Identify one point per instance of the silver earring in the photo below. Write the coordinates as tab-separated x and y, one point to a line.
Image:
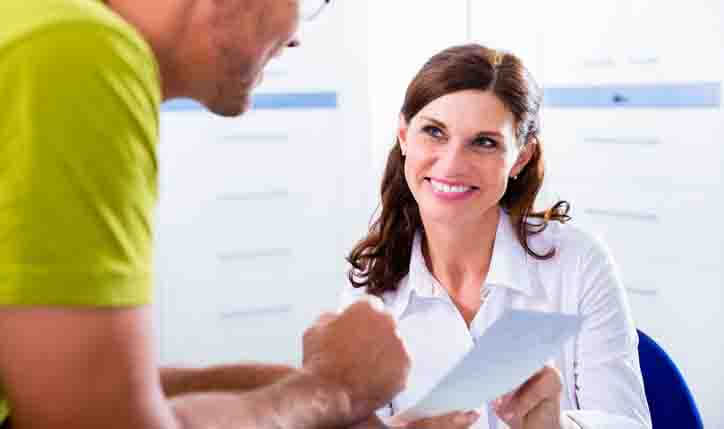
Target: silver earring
403	152
514	177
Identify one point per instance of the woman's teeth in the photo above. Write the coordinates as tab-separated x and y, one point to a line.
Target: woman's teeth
442	187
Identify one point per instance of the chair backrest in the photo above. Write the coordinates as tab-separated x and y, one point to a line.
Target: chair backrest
670	401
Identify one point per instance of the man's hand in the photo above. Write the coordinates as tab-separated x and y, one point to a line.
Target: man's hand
534	405
360	351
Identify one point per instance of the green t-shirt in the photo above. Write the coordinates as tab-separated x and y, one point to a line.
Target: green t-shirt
78	165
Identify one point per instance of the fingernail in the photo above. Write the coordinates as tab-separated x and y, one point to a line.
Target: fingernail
467	418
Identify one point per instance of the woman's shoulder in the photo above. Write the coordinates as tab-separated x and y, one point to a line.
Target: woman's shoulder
572	242
390	298
582	264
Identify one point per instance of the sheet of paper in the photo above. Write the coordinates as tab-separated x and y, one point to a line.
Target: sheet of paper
507	354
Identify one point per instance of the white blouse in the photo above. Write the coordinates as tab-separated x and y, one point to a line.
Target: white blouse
602	383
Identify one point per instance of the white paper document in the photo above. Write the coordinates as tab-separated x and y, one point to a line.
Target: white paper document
506	355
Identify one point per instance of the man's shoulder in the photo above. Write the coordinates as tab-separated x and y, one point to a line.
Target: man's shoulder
24	20
72	41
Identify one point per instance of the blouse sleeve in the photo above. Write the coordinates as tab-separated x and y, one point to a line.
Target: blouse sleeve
608	381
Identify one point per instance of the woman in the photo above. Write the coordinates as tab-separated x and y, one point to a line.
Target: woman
458	242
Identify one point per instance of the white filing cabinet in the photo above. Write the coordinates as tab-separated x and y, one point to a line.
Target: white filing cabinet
248	232
634	134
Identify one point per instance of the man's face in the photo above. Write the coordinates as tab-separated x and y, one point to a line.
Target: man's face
244	36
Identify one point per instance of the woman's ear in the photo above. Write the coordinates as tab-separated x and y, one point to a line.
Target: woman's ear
402	134
524	157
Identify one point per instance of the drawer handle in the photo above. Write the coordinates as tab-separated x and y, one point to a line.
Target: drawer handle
252	139
625	141
599	62
648	217
254	254
643	60
619	98
643	292
260	311
248	196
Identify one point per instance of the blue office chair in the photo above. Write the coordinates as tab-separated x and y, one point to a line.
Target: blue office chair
670	401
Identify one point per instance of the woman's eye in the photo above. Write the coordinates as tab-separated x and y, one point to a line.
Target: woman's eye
485	142
433	131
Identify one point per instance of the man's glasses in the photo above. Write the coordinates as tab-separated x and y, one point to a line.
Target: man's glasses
310	9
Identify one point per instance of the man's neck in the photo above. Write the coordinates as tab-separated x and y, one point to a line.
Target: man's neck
163	24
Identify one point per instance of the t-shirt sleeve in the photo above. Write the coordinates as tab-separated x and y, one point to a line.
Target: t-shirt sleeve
78	167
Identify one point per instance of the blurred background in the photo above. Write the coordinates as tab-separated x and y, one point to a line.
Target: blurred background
257	213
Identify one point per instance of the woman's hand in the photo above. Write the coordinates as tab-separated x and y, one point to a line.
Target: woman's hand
534	405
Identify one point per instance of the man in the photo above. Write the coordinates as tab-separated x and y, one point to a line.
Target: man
81	82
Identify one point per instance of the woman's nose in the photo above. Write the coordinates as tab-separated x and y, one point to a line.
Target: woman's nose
452	157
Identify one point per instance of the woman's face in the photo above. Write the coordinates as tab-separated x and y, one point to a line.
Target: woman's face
460	153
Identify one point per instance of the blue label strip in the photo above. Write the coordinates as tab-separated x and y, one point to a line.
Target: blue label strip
270	101
697	95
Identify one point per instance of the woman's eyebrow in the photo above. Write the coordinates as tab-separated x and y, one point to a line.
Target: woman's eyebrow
490	134
434	121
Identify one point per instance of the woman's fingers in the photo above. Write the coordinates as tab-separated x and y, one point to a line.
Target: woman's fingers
535	403
456	420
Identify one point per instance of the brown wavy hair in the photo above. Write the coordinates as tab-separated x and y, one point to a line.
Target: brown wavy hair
381	259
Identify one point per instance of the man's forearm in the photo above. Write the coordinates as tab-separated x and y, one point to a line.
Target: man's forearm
298	401
223	378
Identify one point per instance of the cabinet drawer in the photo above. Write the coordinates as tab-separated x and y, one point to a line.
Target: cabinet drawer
647	228
633	42
662	148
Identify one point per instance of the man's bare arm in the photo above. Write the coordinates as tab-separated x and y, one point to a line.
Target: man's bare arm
222	378
96	368
90	368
